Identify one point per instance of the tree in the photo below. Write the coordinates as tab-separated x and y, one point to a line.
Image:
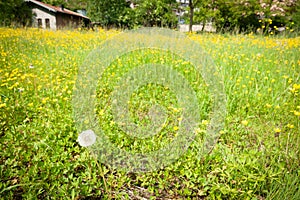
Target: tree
240	15
296	15
192	4
276	13
204	12
73	4
246	15
111	13
15	12
200	11
156	13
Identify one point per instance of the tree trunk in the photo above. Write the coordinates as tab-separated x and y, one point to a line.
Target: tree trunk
203	25
191	15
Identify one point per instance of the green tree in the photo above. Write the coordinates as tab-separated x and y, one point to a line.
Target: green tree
201	11
73	5
296	15
156	13
111	13
240	15
245	15
15	12
204	12
55	2
192	4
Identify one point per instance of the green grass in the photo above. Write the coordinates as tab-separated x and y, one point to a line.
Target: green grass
257	155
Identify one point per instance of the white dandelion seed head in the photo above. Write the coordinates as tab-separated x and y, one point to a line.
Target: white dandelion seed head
86	138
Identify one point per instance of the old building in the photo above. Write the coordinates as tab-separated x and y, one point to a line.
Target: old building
53	17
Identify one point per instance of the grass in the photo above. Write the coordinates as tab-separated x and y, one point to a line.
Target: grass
257	155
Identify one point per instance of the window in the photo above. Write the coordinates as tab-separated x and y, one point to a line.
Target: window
47	22
40	23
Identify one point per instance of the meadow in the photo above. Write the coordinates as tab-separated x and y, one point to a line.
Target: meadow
257	155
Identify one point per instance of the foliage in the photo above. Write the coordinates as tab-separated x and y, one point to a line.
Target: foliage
119	14
111	13
204	12
296	15
15	12
156	13
256	157
246	15
243	16
73	5
240	16
200	11
237	14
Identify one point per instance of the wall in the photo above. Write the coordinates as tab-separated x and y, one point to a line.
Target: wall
208	27
69	21
42	14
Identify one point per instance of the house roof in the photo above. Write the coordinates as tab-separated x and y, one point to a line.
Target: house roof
56	8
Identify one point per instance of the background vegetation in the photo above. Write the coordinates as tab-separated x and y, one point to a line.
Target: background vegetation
227	15
14	12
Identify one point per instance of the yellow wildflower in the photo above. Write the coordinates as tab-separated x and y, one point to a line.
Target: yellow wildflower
268	105
296	113
277	130
204	122
245	122
291	126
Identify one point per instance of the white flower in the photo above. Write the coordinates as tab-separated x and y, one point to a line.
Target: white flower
86	138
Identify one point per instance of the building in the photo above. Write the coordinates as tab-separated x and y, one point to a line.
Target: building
53	17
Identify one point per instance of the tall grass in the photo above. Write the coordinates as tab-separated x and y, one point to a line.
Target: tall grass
256	157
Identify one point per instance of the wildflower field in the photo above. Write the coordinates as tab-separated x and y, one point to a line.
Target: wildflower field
257	155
